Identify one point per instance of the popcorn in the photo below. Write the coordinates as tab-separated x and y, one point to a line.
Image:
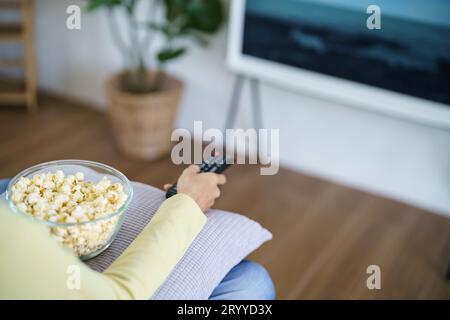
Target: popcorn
58	177
22	184
17	197
70	219
22	206
79	176
48	184
58	198
66	188
37	180
77	196
33	198
112	196
78	212
100	202
47	194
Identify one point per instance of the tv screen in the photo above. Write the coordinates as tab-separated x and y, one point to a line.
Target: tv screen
410	54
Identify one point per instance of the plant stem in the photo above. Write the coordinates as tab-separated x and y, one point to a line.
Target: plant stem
150	34
117	39
133	40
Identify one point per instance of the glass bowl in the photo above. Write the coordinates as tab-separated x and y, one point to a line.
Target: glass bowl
88	239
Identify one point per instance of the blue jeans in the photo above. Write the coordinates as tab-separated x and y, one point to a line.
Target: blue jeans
3	185
246	281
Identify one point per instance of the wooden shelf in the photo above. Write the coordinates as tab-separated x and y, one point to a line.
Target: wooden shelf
12	91
22	31
11	32
13	97
11	83
12	63
9	5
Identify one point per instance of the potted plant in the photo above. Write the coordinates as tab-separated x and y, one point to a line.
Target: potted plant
143	97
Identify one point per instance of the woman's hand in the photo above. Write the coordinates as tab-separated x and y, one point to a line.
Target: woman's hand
202	188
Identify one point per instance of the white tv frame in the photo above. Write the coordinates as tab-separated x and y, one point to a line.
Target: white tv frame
331	88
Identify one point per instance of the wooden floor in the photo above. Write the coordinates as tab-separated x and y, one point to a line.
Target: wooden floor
325	235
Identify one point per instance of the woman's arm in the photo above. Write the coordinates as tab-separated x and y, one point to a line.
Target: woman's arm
147	262
35	266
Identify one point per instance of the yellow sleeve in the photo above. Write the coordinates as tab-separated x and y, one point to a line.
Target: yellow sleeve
35	266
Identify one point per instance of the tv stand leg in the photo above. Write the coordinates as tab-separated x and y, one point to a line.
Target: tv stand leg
236	97
256	103
234	102
234	105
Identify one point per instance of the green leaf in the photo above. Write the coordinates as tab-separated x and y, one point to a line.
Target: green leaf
170	54
95	4
130	5
175	8
163	28
205	15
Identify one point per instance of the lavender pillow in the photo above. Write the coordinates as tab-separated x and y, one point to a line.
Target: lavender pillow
226	239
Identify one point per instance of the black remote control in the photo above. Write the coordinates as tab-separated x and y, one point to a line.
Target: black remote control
215	164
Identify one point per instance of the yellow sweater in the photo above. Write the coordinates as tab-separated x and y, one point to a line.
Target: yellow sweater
35	266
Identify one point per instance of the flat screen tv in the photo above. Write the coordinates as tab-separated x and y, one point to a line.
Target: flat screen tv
325	48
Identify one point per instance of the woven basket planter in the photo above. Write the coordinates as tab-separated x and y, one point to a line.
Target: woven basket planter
143	123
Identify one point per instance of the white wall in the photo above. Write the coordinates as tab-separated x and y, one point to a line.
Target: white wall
387	156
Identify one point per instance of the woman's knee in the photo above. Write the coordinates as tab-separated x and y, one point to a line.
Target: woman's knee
261	284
